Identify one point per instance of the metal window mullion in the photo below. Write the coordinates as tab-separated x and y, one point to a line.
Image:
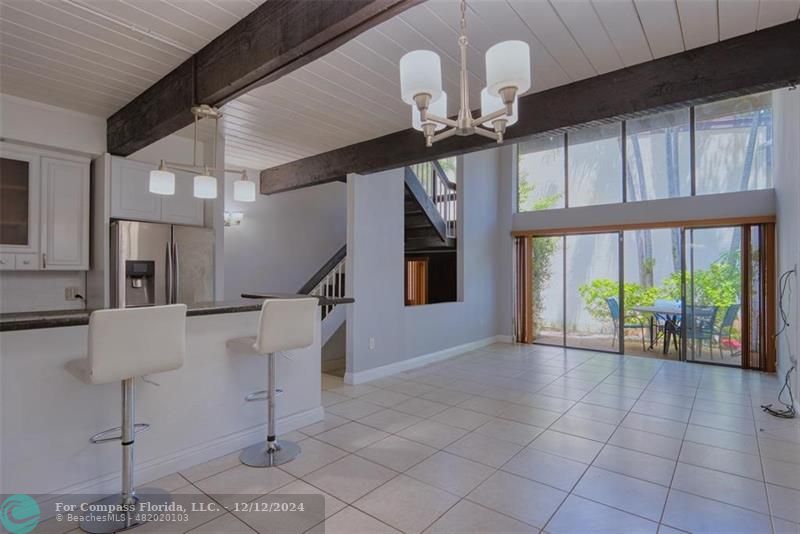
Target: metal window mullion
564	290
624	161
566	172
684	344
692	152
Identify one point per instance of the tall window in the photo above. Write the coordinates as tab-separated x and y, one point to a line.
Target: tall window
595	166
541	174
732	152
733	143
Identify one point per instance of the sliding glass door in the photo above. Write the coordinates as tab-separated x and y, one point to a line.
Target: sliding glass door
695	294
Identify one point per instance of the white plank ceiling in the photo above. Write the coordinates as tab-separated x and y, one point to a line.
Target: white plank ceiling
96	55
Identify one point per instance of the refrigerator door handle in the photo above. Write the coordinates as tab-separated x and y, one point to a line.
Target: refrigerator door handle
175	273
168	285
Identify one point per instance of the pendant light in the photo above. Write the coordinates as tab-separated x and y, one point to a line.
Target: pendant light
162	180
508	74
244	190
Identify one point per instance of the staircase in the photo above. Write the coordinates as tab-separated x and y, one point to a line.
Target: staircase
430	209
329	281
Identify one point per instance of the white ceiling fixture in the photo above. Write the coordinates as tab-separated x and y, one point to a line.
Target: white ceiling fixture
162	180
508	74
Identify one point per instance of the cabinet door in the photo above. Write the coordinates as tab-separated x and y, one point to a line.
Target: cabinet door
19	200
65	214
130	194
182	207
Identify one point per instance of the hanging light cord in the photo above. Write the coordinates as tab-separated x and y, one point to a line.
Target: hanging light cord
788	411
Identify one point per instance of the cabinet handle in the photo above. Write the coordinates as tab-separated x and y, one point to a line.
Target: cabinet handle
44	260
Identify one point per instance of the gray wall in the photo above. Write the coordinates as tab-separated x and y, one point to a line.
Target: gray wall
375	264
787	189
284	239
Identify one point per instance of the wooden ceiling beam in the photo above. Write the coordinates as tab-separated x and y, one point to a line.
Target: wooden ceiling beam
276	38
753	62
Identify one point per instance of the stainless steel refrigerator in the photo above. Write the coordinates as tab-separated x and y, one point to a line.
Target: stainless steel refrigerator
154	264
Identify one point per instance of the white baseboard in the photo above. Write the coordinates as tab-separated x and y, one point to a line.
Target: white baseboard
180	460
393	368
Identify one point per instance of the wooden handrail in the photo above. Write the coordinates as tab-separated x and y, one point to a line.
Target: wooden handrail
323	271
439	169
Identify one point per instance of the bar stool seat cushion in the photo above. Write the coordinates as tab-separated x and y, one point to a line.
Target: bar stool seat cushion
133	342
286	324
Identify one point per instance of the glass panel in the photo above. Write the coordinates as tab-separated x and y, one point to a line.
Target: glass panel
540	174
592	278
658	156
652	263
713	295
548	290
734	144
14	191
595	165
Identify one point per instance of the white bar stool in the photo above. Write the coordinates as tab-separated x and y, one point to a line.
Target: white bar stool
284	324
125	344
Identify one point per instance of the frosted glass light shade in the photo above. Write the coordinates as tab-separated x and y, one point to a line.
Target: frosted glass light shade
162	182
438	108
205	186
420	72
490	104
508	64
244	191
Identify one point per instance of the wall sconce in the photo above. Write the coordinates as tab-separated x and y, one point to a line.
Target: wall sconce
233	218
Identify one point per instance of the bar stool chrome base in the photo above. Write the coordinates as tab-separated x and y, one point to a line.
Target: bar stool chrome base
107	523
259	455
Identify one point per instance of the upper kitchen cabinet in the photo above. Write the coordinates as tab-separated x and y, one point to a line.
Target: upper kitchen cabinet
132	199
19	203
65	214
44	210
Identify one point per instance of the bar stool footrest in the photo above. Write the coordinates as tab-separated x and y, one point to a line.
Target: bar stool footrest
261	395
115	434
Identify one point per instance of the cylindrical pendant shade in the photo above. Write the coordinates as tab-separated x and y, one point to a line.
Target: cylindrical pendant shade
162	182
205	186
508	64
244	191
420	73
438	108
490	104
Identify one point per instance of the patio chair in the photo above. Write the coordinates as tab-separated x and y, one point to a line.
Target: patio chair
664	321
613	307
700	327
725	331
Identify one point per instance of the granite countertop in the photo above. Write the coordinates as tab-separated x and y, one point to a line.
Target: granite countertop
54	319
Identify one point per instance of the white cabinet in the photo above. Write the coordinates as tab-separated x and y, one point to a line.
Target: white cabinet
65	214
130	195
182	207
44	217
132	199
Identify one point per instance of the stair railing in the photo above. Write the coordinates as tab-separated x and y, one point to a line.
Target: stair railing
440	190
329	281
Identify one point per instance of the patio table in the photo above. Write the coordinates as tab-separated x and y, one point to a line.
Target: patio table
671	311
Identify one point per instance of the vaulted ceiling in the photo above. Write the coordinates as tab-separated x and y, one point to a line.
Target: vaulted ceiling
96	55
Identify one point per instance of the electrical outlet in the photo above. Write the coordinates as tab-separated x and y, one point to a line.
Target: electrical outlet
71	293
372	343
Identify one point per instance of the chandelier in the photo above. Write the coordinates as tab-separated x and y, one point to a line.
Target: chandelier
162	181
508	74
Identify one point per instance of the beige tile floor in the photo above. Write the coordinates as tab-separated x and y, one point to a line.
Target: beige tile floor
519	438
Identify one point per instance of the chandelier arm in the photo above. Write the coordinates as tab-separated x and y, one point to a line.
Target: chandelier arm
486	133
441	120
443	135
196	168
500	113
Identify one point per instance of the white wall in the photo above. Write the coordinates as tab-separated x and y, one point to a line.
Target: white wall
787	188
284	239
375	266
42	124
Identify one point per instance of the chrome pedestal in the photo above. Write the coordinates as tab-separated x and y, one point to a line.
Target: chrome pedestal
273	452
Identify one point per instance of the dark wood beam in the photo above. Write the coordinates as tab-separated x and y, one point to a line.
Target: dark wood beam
753	62
276	38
